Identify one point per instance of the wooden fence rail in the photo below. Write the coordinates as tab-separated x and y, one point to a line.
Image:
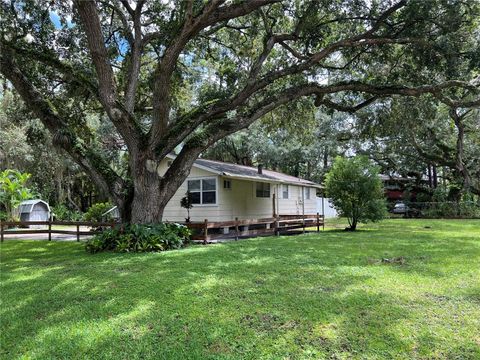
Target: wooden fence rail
24	227
202	231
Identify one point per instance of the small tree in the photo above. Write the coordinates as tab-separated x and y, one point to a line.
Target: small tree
187	203
356	190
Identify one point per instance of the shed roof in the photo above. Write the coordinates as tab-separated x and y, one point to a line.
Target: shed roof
249	173
27	205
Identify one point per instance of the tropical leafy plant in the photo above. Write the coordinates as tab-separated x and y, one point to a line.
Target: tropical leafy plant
140	238
14	190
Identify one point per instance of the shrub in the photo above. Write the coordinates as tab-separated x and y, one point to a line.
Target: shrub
140	238
64	213
356	190
450	209
96	211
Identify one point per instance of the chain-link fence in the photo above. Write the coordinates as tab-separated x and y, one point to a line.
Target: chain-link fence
446	209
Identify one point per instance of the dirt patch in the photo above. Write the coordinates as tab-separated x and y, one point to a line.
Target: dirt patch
400	260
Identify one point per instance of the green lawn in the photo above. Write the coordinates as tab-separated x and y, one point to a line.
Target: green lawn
314	296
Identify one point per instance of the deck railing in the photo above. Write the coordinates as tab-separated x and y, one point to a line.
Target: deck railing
23	227
213	230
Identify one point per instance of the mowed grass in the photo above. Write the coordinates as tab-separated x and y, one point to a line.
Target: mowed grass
313	296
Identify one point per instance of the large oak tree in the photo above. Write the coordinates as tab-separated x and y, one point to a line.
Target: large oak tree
184	74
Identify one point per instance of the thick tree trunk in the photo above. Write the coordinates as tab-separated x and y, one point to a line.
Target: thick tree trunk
146	205
152	192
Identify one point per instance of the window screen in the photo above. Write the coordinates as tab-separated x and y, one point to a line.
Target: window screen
263	190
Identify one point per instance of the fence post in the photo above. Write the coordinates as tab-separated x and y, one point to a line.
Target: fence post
1	229
78	232
236	228
49	229
318	222
205	231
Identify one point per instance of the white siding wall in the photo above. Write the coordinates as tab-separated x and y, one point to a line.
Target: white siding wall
293	205
239	201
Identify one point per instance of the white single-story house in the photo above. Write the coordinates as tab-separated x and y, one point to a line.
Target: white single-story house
224	191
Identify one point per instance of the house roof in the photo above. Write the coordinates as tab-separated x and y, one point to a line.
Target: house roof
249	173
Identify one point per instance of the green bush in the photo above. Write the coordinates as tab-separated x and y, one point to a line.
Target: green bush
96	211
64	213
140	238
356	190
451	210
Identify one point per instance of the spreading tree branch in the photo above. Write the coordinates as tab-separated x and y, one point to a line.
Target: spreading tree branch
63	137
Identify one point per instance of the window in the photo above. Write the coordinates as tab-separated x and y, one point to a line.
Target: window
285	191
306	192
203	191
263	190
227	184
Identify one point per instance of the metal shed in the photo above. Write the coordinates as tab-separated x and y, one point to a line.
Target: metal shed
34	210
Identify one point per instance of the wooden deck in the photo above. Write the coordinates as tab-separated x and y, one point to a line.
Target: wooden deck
212	231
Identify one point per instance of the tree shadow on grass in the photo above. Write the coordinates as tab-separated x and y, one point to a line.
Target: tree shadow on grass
274	297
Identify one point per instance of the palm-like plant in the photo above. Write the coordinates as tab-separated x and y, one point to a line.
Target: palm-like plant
14	190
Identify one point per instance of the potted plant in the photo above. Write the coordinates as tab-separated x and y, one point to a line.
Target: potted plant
186	203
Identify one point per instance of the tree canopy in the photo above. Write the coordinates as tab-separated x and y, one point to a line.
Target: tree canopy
184	74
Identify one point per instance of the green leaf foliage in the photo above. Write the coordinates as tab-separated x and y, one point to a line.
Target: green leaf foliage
140	238
14	190
96	211
61	212
356	190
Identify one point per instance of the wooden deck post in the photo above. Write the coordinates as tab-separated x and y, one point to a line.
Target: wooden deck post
49	230
1	229
205	231
275	226
78	232
236	228
303	223
318	222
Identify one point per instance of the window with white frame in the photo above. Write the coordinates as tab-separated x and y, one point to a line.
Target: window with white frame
263	190
203	191
306	192
285	191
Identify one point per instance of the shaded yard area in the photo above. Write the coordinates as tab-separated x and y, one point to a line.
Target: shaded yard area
329	295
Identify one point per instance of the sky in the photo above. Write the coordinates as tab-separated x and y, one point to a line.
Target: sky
56	20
